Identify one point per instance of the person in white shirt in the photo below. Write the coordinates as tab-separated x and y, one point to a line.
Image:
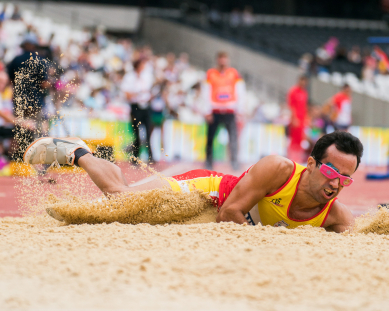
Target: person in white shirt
136	86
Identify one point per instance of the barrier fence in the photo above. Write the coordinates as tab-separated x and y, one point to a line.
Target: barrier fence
186	142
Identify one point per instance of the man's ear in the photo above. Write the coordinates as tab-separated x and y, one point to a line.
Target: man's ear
311	163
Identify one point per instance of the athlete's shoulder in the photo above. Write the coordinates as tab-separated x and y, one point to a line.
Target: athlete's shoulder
211	71
278	163
337	96
293	89
233	72
274	170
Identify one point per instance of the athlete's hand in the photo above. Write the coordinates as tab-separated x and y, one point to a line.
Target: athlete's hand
240	118
209	118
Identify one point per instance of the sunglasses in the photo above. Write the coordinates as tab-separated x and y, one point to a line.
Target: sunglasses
330	173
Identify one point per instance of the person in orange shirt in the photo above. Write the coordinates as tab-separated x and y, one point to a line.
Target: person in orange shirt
298	103
338	108
225	95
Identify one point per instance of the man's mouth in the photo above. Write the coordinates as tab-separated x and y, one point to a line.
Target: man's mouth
329	193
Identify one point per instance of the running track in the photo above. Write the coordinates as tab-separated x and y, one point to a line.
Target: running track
361	197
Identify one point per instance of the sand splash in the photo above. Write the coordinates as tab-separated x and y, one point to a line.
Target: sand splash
159	206
164	206
373	223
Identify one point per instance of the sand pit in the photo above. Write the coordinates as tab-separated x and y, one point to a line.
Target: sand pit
191	263
46	265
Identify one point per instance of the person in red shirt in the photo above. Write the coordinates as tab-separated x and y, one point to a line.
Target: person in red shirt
297	102
338	108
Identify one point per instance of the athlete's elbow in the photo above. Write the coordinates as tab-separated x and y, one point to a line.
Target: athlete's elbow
221	216
227	215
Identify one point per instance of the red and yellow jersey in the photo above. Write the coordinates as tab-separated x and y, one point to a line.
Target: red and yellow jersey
205	180
274	208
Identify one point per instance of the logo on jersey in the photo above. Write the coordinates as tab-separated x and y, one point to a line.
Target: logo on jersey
281	223
277	202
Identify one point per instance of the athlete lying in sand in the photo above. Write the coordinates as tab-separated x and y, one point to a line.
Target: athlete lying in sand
275	191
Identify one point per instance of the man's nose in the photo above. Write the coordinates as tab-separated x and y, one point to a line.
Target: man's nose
335	183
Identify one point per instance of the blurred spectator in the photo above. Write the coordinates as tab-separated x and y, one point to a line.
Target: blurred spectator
331	46
158	105
225	93
171	71
3	13
16	14
195	101
323	59
5	116
33	91
341	53
369	66
95	101
215	16
182	63
338	108
7	119
315	128
137	87
354	56
305	63
235	18
298	102
247	16
46	50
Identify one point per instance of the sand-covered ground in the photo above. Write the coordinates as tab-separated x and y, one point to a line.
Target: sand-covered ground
188	263
45	265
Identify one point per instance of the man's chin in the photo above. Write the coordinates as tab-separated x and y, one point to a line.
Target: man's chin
324	200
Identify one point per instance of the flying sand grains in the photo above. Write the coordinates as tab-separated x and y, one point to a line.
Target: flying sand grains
373	223
159	206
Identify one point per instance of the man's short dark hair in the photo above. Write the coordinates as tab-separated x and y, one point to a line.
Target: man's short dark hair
345	86
221	54
136	64
344	142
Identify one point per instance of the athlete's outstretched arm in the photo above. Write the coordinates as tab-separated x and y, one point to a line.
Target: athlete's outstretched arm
339	219
265	177
109	177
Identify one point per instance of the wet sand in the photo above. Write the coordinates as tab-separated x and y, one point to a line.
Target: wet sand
45	265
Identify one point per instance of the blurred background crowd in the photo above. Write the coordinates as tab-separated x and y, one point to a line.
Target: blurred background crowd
97	75
94	74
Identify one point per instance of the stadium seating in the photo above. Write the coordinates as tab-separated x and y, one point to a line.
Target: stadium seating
289	41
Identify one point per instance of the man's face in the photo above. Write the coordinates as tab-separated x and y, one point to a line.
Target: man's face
222	61
141	67
322	188
303	83
347	90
